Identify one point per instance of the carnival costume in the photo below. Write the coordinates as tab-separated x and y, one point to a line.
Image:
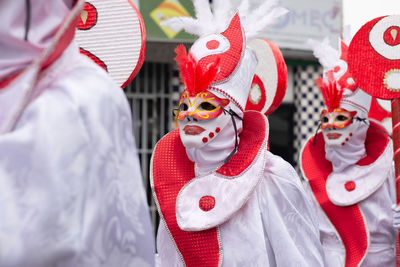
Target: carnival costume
223	198
71	193
349	171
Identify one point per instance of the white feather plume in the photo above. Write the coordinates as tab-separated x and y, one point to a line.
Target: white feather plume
204	16
208	22
258	22
325	53
222	13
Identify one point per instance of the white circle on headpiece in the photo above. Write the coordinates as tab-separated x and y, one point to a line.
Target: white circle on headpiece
376	38
201	48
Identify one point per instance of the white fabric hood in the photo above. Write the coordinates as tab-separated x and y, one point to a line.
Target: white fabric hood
29	36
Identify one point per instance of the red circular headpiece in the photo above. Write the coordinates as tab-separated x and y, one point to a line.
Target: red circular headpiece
374	57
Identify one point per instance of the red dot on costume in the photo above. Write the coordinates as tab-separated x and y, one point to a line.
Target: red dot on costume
88	17
336	69
207	203
392	36
211	135
351	134
350	186
205	140
347	139
213	44
217	130
343	144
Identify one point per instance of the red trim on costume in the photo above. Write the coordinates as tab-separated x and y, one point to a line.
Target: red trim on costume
375	144
347	220
254	129
9	79
172	169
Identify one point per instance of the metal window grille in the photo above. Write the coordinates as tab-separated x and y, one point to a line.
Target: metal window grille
152	96
309	104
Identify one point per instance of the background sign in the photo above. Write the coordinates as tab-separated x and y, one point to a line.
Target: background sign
155	11
314	19
307	19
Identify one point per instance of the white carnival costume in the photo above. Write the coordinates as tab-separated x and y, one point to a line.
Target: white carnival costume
223	198
71	193
349	171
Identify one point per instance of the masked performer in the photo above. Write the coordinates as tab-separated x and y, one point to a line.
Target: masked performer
348	167
70	186
223	198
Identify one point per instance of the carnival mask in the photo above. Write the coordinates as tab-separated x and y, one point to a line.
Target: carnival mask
337	126
201	118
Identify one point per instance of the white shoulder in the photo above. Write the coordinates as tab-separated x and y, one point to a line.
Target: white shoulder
278	169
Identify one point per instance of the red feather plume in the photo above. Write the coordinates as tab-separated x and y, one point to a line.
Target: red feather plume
193	76
331	92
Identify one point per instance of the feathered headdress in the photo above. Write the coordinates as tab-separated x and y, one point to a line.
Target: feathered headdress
331	92
215	21
337	86
192	74
219	60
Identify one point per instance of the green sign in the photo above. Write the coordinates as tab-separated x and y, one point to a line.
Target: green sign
155	11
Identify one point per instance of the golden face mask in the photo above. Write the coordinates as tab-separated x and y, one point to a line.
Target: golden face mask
203	106
338	119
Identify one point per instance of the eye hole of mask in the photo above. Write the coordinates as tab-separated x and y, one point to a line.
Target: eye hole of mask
342	118
207	106
325	119
183	107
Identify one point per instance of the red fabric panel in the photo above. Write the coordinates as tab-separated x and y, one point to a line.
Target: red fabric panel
375	144
348	221
172	169
251	140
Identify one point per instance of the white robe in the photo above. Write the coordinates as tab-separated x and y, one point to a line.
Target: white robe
71	192
378	216
373	193
276	227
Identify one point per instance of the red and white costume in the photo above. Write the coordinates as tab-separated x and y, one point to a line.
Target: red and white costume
349	171
216	209
71	193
